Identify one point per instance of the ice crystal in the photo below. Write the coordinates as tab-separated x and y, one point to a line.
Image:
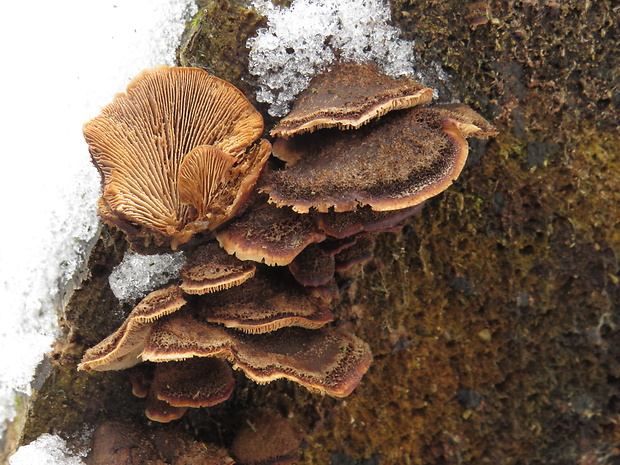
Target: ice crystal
303	39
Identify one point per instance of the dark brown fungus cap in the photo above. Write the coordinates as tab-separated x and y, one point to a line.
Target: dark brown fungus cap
173	155
197	382
323	360
392	164
274	236
122	348
358	253
348	96
346	224
263	304
209	269
267	438
313	267
161	411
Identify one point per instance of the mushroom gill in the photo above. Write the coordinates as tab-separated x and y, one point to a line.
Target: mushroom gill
325	360
175	155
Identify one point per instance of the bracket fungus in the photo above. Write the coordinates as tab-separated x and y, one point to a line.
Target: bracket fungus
179	156
176	155
348	96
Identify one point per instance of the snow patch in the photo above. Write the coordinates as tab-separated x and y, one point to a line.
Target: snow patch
303	39
137	275
73	57
47	449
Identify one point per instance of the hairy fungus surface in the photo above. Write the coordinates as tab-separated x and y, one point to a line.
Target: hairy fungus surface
346	224
210	269
313	267
391	164
174	155
358	253
122	348
323	360
348	96
263	304
274	236
197	382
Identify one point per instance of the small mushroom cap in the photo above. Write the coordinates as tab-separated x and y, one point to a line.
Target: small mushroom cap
197	382
393	164
209	269
274	236
161	411
263	304
122	348
348	96
267	438
324	360
313	267
346	224
172	154
469	122
358	253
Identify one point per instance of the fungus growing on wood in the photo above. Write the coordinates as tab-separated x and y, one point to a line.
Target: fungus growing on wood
175	155
313	267
323	360
265	303
209	269
122	348
348	96
274	236
197	382
346	224
391	164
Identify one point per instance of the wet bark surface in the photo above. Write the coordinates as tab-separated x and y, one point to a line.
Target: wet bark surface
494	316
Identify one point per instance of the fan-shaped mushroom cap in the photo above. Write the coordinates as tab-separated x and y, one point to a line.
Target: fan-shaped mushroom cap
209	269
269	234
324	360
348	96
392	164
197	382
263	304
122	348
173	154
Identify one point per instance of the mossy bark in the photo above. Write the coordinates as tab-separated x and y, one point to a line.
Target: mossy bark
494	316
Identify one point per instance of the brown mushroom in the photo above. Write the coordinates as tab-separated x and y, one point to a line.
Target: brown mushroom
197	382
263	304
391	164
274	236
323	360
348	96
357	254
209	269
173	155
122	348
313	267
346	224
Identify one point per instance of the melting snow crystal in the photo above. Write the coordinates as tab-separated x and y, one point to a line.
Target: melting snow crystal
138	274
47	449
302	40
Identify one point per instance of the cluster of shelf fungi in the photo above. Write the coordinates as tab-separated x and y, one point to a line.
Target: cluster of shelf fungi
183	167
